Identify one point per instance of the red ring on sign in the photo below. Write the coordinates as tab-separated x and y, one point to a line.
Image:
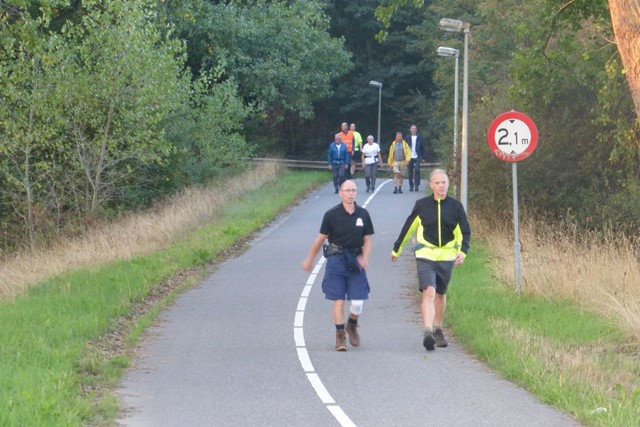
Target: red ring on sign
493	144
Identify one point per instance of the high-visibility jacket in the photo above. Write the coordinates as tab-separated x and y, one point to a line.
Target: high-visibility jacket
357	140
347	138
441	227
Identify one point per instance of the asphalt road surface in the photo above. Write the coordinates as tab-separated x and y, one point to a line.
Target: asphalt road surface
253	345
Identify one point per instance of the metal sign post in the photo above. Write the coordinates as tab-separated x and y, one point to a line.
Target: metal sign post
512	137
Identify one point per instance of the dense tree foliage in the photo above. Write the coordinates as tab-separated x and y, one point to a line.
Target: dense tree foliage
108	106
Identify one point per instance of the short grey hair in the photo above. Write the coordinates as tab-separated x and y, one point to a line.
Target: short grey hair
438	170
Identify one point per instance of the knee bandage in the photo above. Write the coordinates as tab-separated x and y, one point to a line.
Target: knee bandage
356	306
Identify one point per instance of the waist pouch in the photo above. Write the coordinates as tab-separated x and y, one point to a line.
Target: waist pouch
329	249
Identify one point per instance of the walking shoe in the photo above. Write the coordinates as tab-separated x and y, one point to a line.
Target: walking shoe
417	188
352	331
400	190
395	190
429	341
341	341
410	188
441	341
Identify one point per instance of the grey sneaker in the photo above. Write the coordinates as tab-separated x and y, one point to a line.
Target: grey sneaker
429	341
441	341
341	341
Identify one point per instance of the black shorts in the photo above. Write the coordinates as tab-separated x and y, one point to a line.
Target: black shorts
434	273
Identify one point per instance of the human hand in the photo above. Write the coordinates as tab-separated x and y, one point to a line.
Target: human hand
306	265
459	258
394	258
362	262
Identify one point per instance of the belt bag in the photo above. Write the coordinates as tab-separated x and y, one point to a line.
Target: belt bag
329	249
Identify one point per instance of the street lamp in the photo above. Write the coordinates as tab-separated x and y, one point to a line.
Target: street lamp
457	26
379	86
449	51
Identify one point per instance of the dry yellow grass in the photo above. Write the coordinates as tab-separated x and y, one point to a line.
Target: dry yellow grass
598	271
604	367
130	236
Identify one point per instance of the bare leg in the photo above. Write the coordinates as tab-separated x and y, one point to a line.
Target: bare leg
440	304
338	312
427	306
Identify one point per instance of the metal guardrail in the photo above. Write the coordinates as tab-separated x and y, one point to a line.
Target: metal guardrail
314	164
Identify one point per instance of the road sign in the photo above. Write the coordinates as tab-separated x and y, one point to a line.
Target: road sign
512	136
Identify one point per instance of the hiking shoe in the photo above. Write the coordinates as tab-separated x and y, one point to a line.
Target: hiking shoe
410	188
341	341
400	190
429	341
441	341
395	191
352	331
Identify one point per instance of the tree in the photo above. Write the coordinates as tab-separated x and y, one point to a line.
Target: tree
120	82
625	17
29	116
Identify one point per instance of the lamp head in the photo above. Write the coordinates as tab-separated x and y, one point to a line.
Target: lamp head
448	51
453	25
375	84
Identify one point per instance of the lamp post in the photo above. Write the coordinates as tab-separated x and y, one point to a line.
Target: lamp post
379	86
449	51
457	26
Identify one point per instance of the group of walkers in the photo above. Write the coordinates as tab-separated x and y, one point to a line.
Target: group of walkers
404	158
438	220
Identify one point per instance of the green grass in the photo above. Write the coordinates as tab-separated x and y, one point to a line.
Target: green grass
51	373
567	356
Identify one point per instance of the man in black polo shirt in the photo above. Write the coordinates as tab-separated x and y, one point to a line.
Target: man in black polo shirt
348	229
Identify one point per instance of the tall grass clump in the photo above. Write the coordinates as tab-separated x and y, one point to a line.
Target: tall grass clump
600	270
132	235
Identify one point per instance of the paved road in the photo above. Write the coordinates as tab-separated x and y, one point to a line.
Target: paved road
253	345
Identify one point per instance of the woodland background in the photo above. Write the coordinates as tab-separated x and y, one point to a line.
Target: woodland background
108	107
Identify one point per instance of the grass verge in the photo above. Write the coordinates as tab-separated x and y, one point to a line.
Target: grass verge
57	341
571	358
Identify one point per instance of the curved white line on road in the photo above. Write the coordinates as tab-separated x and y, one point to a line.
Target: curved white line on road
301	348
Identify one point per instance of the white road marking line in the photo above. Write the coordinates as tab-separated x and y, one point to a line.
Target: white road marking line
298	336
339	415
322	392
303	354
299	320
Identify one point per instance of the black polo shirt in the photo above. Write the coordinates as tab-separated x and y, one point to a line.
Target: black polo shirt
345	229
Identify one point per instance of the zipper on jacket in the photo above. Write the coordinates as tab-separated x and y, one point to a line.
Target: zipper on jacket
439	225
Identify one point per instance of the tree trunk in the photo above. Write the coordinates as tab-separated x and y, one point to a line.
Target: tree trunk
625	17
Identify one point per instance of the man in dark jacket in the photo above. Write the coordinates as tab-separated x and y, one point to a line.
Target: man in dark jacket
443	235
339	161
417	154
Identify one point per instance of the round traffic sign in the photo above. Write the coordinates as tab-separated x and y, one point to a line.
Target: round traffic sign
512	136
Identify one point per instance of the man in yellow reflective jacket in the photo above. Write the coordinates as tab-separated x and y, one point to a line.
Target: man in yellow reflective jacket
442	235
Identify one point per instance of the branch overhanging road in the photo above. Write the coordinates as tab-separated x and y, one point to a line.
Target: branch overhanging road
253	344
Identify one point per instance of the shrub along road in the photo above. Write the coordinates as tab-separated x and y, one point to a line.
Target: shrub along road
254	345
